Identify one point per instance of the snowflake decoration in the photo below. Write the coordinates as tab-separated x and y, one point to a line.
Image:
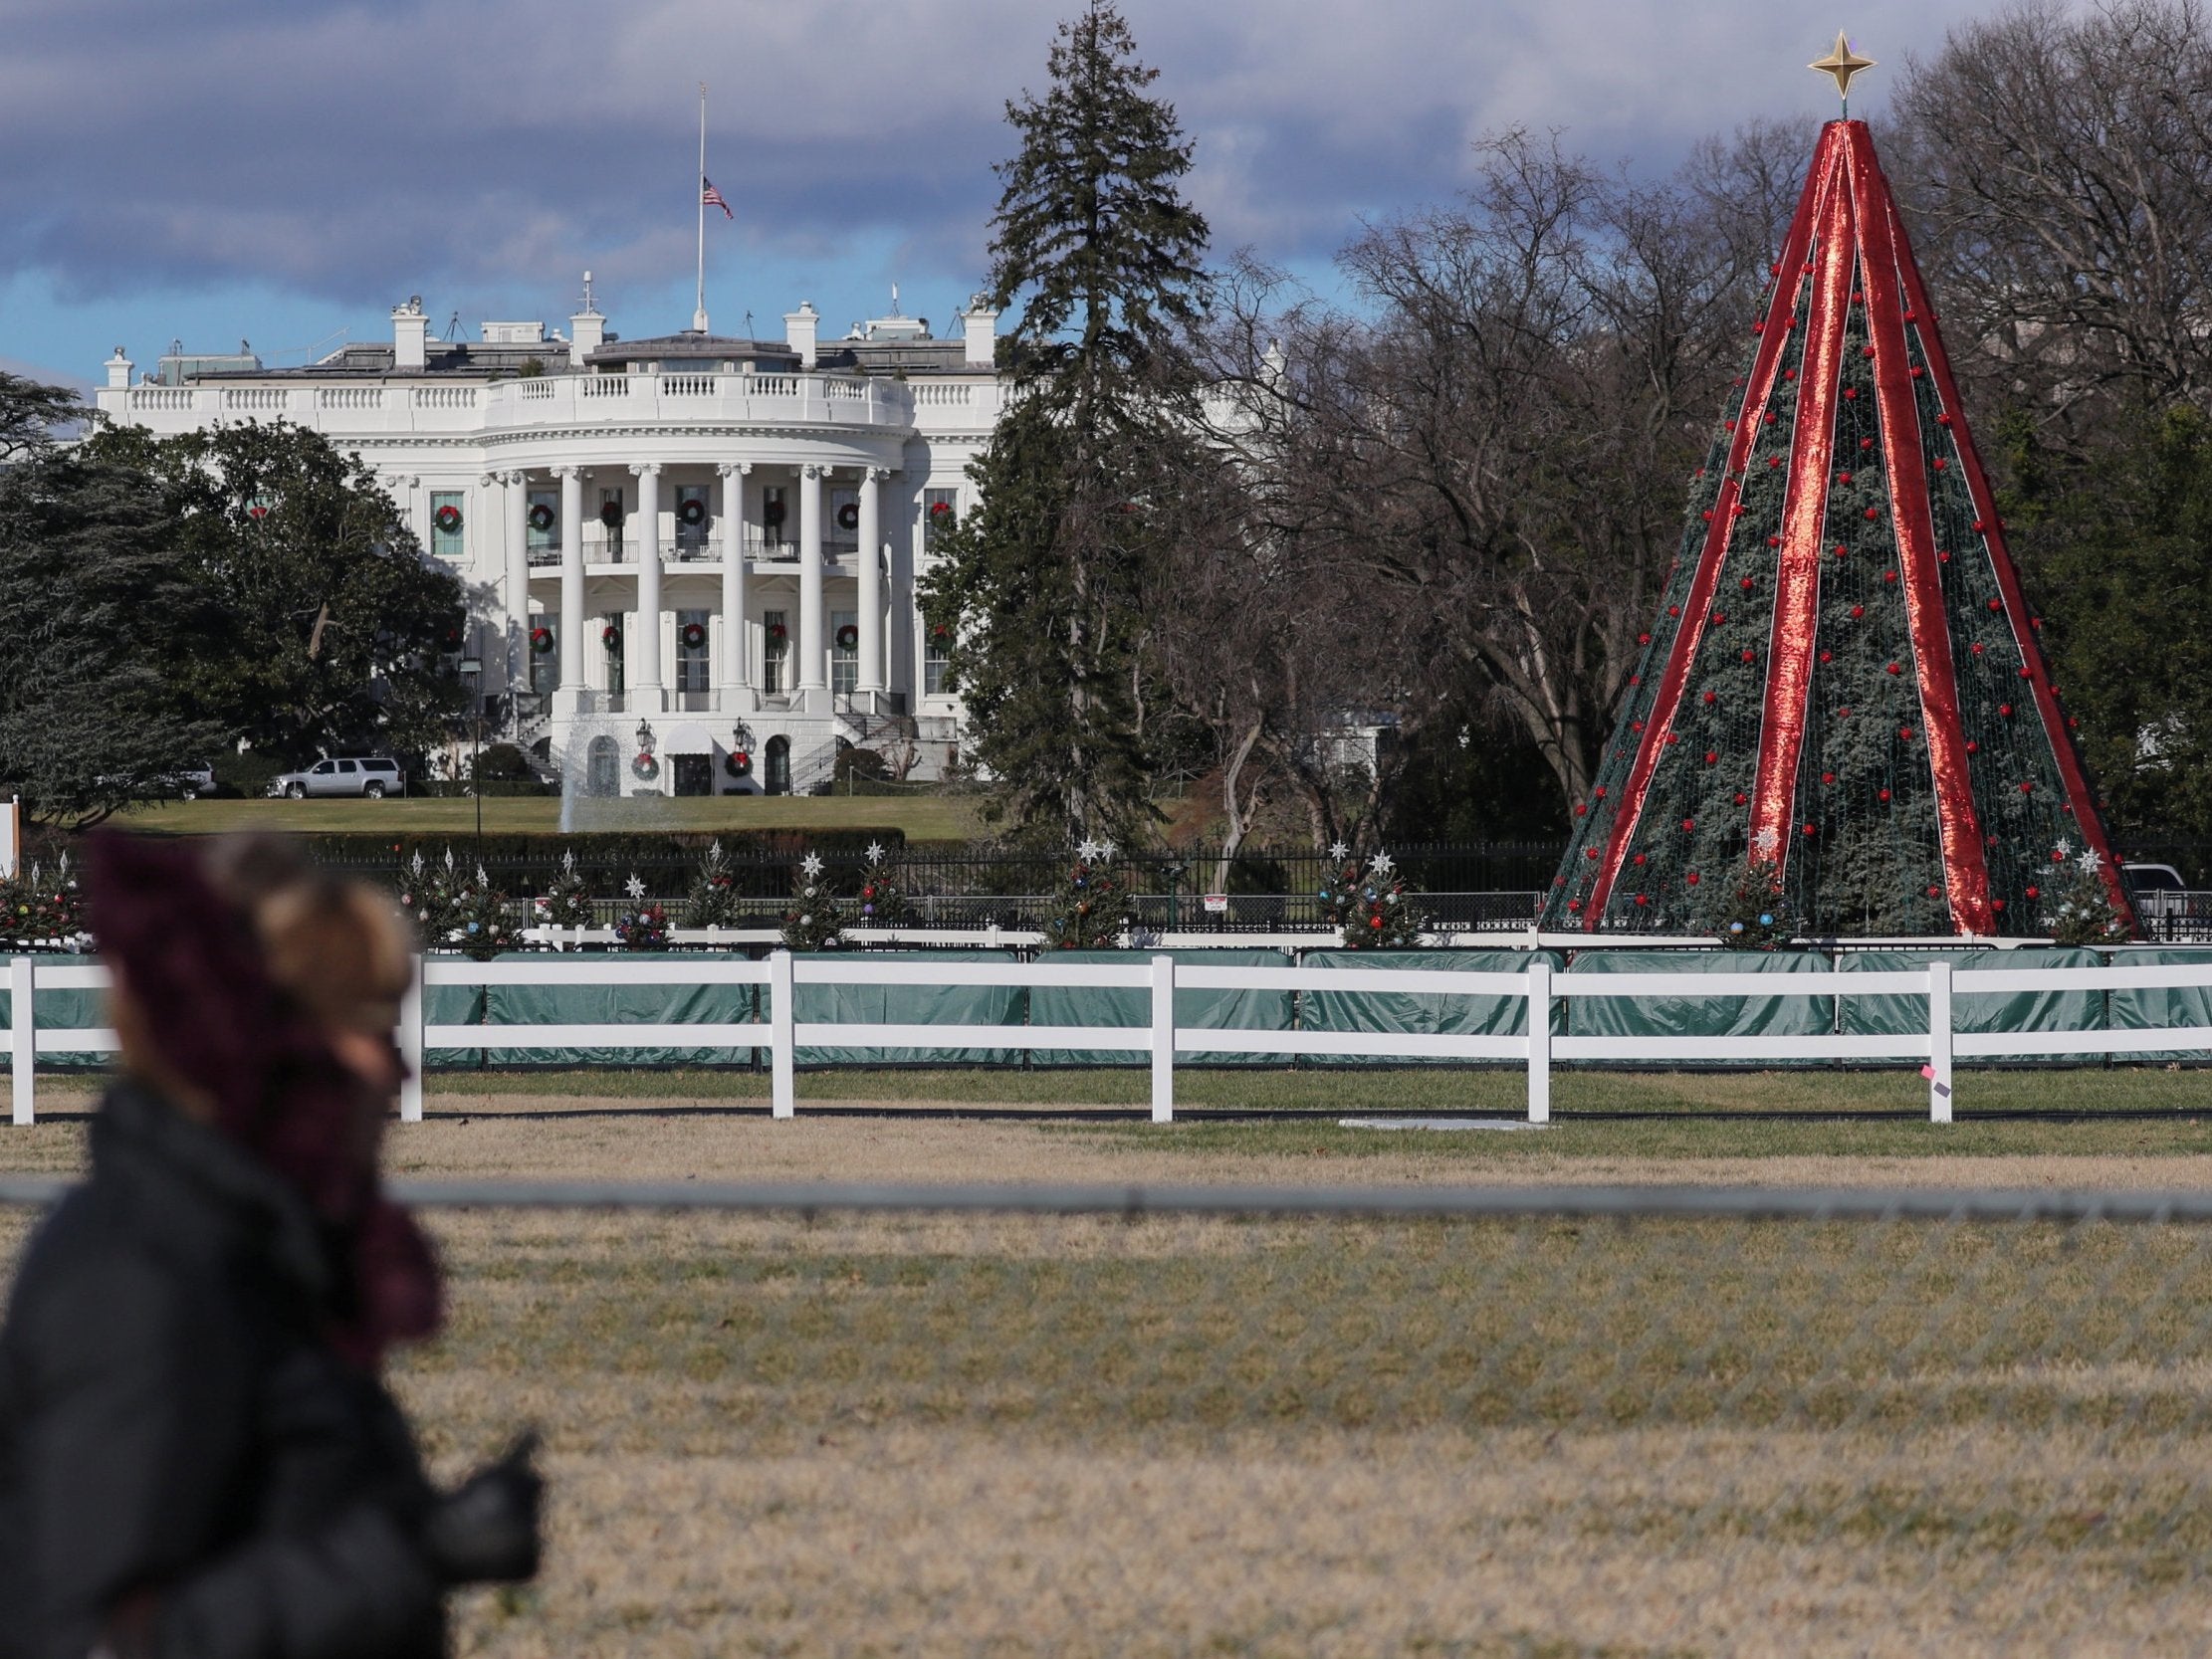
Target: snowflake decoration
1086	850
875	852
2065	848
567	863
1106	852
482	880
2091	861
1767	840
1381	863
812	865
1339	851
415	864
636	888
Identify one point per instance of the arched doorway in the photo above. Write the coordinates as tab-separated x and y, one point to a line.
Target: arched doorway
777	779
603	768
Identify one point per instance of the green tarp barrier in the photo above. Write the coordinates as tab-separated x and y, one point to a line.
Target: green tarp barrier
2151	1010
71	1010
2011	1011
453	1005
620	1006
1203	1010
1701	1016
916	1005
1418	1015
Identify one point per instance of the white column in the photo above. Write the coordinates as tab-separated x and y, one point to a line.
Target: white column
516	516
649	694
868	677
570	698
736	678
812	663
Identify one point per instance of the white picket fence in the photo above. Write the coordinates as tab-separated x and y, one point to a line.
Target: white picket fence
782	1035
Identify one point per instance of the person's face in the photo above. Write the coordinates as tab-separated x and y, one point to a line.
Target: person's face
373	1060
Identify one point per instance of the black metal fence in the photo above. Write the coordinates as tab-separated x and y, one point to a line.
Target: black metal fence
1472	885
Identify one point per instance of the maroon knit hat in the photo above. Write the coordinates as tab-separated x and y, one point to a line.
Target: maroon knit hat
196	973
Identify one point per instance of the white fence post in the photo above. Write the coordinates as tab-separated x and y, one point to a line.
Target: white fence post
409	1037
1539	1042
784	1046
1163	1039
23	1035
1939	1042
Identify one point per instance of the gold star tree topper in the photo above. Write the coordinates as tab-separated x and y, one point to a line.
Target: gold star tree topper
1843	62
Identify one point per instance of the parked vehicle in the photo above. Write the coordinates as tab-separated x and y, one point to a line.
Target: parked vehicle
2157	890
373	776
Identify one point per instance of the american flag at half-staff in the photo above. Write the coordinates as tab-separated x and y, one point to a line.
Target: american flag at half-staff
709	196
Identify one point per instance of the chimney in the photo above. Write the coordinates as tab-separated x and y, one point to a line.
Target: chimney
799	331
118	369
410	334
979	325
588	329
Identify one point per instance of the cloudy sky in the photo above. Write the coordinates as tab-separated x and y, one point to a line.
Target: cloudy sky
286	170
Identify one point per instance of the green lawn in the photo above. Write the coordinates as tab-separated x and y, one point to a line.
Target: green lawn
920	817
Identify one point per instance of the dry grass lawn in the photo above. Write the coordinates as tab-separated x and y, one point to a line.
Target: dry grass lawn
1082	1437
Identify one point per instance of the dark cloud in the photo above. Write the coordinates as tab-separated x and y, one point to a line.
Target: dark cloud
355	153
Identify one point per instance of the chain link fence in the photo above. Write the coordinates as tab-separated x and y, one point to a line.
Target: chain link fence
1565	1422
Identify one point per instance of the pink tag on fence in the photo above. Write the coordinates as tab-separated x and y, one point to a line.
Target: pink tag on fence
1928	1072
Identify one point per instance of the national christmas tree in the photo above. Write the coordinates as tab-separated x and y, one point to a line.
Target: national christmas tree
1842	695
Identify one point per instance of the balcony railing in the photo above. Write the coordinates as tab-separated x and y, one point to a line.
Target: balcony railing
823	400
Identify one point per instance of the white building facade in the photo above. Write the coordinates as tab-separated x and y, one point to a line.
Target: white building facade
689	561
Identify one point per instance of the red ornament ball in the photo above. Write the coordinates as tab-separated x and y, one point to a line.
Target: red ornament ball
1710	698
1691	878
1689	823
1644	639
1829	657
2005	708
1896	668
1811	829
1865	443
1857	611
1827	777
1749	655
1745	584
2027	786
1889	578
1973	748
1639	858
1873	512
2035	892
1936	893
1711	758
1904	733
1884	794
1940	464
1643	897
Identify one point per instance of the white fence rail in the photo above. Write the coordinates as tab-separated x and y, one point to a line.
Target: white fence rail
780	1034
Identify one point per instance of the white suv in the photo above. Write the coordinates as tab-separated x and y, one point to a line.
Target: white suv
372	775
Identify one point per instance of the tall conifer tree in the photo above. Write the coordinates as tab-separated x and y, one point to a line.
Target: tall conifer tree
1041	585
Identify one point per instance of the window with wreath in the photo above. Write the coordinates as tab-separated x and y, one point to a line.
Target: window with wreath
694	519
776	653
692	634
610	640
845	519
545	652
448	523
541	526
938	509
845	651
611	514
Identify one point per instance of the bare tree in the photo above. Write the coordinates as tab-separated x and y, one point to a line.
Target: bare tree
2059	168
1492	458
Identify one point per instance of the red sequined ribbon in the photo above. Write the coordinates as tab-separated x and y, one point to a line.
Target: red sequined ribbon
1965	873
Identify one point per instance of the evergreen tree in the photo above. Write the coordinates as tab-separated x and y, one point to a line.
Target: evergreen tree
1040	589
567	903
98	626
321	623
814	917
713	901
643	923
1090	905
1368	907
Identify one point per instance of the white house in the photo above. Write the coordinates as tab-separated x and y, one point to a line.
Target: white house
690	560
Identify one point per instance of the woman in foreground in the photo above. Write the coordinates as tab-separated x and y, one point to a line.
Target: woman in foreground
198	1459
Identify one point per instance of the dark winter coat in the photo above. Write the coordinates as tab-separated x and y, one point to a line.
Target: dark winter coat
180	1450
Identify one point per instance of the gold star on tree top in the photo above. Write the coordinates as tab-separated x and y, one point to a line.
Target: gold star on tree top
1843	62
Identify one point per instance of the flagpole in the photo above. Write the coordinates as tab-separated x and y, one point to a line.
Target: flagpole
699	316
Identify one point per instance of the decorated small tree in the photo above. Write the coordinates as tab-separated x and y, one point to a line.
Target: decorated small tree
1750	914
814	919
2075	905
567	903
426	895
1090	905
882	898
39	911
480	924
641	924
713	901
1367	907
